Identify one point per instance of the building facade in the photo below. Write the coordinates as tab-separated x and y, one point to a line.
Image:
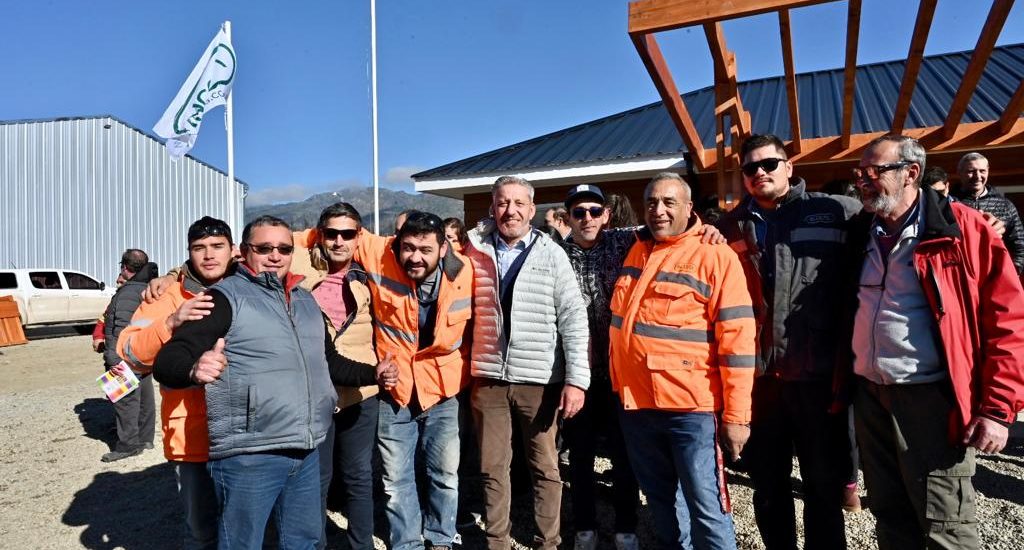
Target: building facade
76	192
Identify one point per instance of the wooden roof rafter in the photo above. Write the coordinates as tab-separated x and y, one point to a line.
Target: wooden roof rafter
989	33
647	17
850	74
925	13
786	38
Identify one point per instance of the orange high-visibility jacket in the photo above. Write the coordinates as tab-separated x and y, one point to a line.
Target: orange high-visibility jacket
682	334
442	369
182	412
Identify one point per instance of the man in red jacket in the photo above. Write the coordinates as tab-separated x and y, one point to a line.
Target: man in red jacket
938	344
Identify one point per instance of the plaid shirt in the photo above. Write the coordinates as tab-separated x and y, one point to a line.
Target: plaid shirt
596	270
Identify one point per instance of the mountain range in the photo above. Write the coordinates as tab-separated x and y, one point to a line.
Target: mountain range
303	214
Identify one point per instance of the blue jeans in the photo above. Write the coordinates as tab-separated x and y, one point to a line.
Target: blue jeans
249	487
347	455
200	503
670	450
435	434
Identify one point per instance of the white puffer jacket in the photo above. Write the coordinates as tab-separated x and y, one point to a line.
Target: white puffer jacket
550	339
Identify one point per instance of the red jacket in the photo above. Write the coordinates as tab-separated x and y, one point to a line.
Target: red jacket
976	297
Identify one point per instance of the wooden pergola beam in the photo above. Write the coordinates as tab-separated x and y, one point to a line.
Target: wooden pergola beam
647	46
972	75
850	72
665	15
925	13
1013	109
727	93
786	35
968	137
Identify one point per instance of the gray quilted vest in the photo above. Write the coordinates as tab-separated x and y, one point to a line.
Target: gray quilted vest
276	392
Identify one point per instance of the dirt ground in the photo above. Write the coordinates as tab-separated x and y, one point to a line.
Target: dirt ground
55	493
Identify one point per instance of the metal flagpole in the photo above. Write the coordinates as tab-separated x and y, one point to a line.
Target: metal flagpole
229	123
373	112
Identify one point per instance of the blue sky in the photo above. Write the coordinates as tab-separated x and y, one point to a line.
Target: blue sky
455	78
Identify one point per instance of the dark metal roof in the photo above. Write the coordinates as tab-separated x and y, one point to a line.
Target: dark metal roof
648	132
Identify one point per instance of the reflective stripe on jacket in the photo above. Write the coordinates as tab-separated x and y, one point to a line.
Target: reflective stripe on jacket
798	329
440	370
682	336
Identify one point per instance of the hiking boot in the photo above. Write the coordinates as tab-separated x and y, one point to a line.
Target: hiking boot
626	541
114	456
585	540
851	498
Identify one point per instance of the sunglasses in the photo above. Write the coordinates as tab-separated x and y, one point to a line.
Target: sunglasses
875	171
332	234
580	213
768	165
264	249
208	227
425	217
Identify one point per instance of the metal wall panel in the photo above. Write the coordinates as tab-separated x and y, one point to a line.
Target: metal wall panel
75	193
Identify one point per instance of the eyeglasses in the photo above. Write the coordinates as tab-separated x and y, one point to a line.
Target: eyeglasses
333	234
875	171
581	213
264	249
768	165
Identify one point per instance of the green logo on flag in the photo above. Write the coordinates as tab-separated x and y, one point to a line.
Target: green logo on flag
213	86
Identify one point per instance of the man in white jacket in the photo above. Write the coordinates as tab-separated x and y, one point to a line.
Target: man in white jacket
530	355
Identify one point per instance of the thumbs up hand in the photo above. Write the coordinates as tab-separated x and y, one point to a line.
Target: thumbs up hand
387	372
210	364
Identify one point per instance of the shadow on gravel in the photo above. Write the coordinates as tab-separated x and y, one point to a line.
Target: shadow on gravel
130	510
97	418
998	485
995	484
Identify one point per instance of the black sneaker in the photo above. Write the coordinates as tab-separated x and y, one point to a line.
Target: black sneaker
114	456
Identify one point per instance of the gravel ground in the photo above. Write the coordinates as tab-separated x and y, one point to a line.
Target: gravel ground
55	492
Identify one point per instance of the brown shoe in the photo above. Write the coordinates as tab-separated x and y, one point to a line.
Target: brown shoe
851	498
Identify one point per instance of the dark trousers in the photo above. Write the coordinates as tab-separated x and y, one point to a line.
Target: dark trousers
347	457
534	407
135	415
788	417
919	484
600	418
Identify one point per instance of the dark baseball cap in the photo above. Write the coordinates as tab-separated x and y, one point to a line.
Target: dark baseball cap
584	191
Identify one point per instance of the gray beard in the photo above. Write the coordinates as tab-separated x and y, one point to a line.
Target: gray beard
881	205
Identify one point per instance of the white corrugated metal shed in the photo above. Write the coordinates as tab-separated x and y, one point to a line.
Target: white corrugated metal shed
76	192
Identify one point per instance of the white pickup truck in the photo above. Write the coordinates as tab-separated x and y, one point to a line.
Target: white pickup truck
55	296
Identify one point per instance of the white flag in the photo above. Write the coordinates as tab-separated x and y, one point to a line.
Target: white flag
207	87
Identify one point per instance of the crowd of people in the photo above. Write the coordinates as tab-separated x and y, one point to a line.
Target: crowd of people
882	333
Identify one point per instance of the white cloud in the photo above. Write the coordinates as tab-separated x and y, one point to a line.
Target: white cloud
396	178
283	193
294	192
400	177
